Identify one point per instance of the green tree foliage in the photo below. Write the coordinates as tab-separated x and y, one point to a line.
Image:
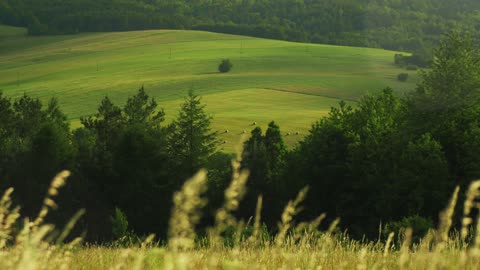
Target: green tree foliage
264	157
123	157
418	186
128	158
225	66
446	104
123	153
419	225
219	177
357	166
34	146
255	157
191	140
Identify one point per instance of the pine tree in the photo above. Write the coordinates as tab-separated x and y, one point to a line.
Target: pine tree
142	109
191	139
255	158
275	148
264	157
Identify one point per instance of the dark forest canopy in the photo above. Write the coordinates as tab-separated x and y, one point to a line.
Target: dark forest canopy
410	25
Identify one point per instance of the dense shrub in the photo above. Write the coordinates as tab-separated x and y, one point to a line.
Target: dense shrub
419	225
225	66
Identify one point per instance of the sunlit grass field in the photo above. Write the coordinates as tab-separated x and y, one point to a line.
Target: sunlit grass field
294	84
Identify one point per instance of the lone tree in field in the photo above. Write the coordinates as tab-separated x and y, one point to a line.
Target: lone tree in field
225	66
191	139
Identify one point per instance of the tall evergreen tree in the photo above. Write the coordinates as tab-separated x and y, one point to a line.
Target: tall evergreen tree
191	140
255	159
142	109
264	157
276	150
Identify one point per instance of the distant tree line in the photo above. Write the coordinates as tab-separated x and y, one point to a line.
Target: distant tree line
408	25
390	160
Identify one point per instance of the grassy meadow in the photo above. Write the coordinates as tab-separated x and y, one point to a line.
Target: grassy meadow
294	84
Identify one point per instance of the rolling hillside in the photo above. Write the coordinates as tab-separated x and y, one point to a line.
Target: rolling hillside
292	83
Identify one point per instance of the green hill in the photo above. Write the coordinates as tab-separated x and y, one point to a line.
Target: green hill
292	83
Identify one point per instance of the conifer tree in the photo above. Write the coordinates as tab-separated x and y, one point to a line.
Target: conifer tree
191	139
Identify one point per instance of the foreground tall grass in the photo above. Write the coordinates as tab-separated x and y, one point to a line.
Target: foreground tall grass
229	245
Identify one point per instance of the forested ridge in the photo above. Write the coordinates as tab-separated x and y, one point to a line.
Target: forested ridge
389	160
410	25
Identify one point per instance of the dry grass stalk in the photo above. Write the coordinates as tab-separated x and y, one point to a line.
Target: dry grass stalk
473	193
388	244
476	246
405	249
48	203
69	227
427	241
446	220
362	264
307	232
233	195
316	222
8	217
238	237
287	216
187	204
308	228
32	248
333	226
254	238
